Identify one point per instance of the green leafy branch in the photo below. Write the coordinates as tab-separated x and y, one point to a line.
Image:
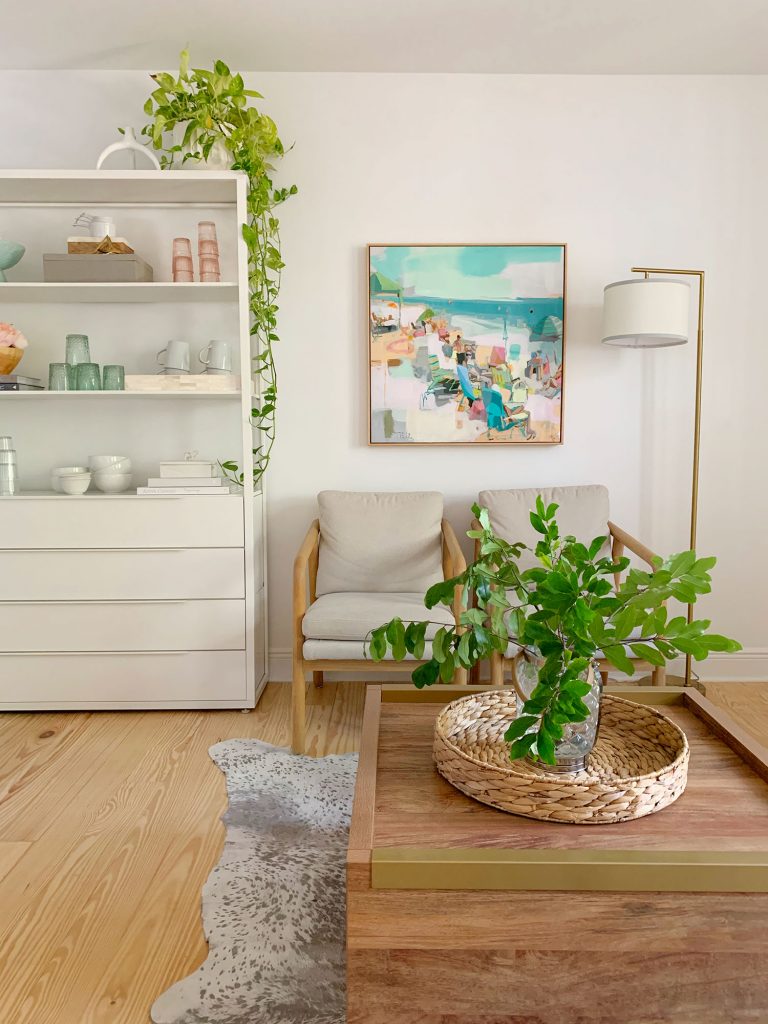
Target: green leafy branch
214	107
561	613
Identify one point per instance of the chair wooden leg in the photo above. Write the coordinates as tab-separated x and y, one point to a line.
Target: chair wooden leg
460	677
474	675
604	676
317	678
497	669
659	675
298	707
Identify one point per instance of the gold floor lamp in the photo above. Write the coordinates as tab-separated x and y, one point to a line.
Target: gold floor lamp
649	312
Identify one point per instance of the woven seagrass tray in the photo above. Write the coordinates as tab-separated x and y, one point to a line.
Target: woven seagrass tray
639	763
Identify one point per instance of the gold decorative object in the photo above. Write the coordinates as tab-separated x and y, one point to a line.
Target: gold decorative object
638	765
106	245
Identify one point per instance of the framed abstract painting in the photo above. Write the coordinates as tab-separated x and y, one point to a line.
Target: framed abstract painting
466	343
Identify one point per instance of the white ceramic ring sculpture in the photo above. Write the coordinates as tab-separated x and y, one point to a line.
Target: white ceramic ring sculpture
131	143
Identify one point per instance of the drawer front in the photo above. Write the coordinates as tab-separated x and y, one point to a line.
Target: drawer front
132	679
140	574
123	626
125	521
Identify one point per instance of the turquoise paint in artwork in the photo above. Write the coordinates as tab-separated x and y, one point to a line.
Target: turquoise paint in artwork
466	343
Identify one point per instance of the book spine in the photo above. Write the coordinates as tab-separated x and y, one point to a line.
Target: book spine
210	483
211	491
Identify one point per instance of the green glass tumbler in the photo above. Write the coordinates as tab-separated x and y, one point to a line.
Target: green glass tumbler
78	350
59	377
88	377
114	377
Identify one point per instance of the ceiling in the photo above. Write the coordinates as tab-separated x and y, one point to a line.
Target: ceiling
491	36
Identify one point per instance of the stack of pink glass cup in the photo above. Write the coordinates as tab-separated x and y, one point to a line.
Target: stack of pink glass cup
208	251
183	269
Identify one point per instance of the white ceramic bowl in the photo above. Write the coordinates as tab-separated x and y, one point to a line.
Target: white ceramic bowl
71	471
110	463
75	483
112	483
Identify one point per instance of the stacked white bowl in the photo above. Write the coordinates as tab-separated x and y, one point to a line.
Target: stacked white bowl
70	479
111	473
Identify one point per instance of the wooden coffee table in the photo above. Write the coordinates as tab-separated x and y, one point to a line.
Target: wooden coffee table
461	914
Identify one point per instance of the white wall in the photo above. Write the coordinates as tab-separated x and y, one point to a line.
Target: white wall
626	170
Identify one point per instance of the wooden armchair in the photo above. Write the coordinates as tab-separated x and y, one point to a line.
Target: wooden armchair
583	513
368	558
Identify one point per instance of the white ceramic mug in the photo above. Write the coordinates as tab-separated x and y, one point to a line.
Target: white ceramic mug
176	356
216	357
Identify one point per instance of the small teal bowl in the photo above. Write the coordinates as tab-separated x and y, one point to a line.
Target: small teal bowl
10	254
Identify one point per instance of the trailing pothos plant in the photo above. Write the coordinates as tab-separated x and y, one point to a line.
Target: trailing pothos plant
213	106
562	612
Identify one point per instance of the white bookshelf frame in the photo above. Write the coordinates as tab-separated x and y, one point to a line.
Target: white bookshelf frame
156	190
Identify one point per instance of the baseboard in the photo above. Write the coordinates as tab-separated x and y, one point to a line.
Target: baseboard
749	665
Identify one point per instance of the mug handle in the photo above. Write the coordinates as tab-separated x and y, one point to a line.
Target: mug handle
205	362
159	360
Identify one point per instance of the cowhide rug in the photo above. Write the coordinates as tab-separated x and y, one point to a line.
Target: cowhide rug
274	905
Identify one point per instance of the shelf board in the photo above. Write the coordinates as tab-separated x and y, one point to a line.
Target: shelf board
102	188
129	495
70	395
126	291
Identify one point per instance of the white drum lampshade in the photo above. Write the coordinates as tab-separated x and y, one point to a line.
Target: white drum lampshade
646	312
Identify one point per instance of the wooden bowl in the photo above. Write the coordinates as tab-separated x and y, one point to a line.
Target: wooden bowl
9	359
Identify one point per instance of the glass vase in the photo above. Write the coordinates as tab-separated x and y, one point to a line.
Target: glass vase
578	738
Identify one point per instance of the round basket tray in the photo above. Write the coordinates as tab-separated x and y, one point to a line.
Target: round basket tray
639	763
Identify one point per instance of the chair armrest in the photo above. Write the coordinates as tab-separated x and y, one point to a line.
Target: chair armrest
622	539
454	563
300	567
451	546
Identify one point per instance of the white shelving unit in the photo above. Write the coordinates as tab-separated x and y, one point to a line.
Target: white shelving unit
125	601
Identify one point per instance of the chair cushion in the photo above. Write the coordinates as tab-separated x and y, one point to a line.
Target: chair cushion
583	513
379	542
353	650
353	616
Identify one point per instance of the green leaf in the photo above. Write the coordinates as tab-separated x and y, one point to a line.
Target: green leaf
519	727
648	653
545	747
521	747
426	674
396	637
439	643
619	659
447	667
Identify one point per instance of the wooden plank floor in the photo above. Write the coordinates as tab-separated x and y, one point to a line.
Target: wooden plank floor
109	825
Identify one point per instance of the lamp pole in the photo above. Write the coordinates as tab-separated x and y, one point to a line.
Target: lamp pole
697	412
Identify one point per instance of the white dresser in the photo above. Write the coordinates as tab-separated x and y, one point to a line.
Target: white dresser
128	601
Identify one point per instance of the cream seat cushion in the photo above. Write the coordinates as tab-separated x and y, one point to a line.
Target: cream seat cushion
350	650
336	625
353	616
583	513
374	542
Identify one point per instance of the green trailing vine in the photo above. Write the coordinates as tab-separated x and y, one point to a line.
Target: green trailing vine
215	110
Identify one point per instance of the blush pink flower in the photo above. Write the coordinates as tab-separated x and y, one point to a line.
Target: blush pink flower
10	337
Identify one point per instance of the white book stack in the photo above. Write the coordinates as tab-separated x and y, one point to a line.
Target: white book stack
188	477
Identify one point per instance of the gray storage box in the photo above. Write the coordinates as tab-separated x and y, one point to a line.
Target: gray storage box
95	267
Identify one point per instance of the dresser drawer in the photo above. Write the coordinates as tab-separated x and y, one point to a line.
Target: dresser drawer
138	574
123	626
122	521
194	678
